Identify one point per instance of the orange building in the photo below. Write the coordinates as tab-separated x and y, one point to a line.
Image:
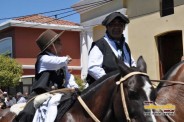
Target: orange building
17	37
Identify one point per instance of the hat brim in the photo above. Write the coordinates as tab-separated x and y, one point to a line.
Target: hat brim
52	41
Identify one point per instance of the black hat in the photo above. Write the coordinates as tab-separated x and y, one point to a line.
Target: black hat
112	16
47	38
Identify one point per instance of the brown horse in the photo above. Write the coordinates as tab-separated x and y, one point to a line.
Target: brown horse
104	98
6	115
170	93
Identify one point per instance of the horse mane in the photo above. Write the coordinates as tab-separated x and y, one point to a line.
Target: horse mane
172	69
100	81
166	76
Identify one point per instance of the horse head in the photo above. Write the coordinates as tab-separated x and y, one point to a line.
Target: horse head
138	90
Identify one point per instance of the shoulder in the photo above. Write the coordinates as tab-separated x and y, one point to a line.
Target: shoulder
96	44
100	43
22	99
43	58
48	57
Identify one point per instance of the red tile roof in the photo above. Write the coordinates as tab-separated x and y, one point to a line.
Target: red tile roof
44	19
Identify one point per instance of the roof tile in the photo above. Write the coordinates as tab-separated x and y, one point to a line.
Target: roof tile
44	19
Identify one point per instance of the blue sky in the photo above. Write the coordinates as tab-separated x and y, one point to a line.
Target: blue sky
14	8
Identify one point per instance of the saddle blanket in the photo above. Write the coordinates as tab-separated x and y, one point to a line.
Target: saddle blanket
47	111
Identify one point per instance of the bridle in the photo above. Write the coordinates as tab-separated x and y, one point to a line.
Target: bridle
120	82
169	81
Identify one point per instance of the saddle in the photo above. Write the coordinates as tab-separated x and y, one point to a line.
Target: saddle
69	96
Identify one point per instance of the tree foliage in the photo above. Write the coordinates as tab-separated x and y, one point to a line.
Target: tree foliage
10	71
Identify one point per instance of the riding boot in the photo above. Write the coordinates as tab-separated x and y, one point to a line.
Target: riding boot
27	114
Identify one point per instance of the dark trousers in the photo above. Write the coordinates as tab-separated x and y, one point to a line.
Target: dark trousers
27	114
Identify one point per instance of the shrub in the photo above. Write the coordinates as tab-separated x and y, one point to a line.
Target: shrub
10	71
80	82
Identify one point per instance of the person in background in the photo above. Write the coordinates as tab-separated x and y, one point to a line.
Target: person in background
51	68
26	95
14	100
103	52
9	101
5	94
2	103
20	98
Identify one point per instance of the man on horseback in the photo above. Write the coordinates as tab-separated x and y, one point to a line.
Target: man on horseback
51	68
50	71
103	52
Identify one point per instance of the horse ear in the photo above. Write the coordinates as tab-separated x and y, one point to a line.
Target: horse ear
141	64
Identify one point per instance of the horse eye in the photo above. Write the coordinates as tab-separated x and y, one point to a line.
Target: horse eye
133	95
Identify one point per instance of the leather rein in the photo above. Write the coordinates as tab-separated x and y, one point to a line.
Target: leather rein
169	81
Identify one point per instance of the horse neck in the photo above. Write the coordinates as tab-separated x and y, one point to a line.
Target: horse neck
174	74
100	95
97	98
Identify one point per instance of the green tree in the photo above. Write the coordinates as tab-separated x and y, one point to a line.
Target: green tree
10	71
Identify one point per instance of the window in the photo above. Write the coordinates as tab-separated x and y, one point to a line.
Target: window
6	46
166	7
